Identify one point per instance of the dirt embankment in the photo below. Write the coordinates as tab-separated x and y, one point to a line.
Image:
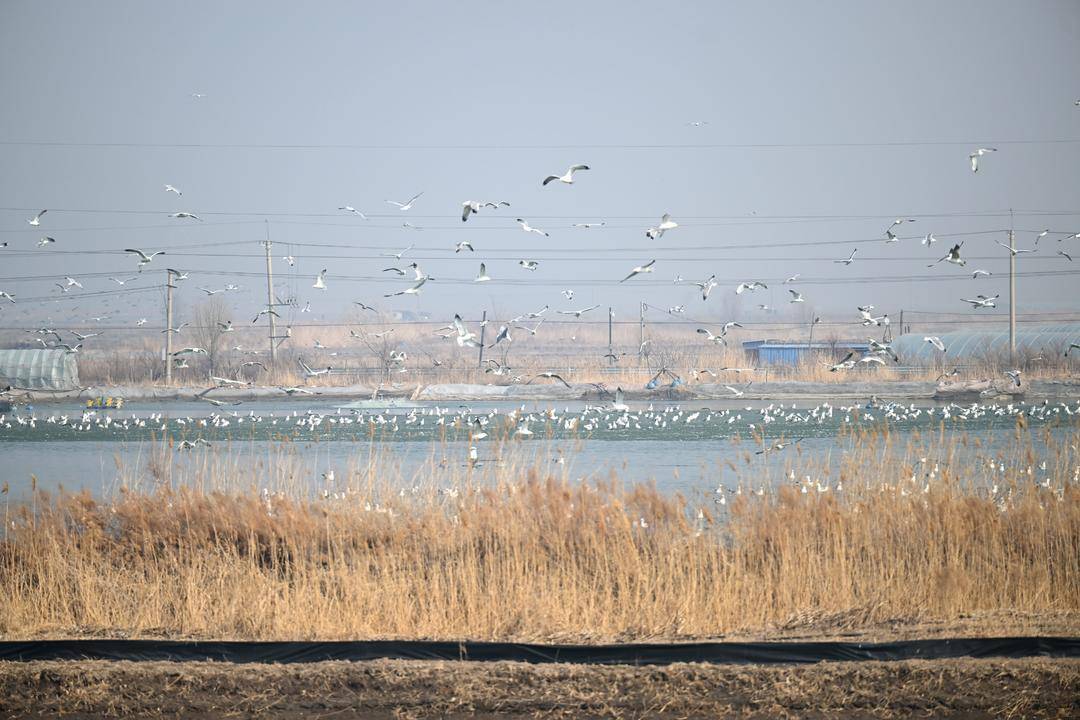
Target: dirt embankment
412	689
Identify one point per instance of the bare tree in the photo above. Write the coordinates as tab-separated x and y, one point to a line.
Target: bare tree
211	318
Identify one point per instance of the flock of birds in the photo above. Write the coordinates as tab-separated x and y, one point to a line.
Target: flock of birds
787	424
879	353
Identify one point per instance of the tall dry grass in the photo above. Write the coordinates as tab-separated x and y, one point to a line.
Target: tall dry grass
530	554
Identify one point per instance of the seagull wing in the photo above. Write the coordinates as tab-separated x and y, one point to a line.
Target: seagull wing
140	253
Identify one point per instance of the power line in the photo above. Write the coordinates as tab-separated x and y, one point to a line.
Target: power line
536	146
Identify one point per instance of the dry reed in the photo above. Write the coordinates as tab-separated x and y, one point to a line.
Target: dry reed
531	555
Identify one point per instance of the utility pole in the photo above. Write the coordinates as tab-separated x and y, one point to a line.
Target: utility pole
483	327
641	333
168	328
610	350
1012	290
270	305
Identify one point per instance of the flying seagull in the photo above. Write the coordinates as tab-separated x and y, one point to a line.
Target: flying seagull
1014	251
953	257
1015	375
36	220
73	282
568	178
751	286
587	226
354	211
320	281
549	376
796	297
504	334
578	313
981	301
529	264
528	228
849	259
974	157
977	273
183	215
46	240
936	342
792	279
707	286
399	254
465	338
666	223
646	268
405	205
464	245
414	290
482	276
144	259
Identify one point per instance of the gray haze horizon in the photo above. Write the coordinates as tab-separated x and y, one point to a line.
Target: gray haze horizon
779	137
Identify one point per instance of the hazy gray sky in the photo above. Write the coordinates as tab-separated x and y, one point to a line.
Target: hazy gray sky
871	109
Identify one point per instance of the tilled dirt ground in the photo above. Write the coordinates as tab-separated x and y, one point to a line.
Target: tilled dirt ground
414	689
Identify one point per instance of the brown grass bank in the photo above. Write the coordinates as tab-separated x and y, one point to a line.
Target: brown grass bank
538	557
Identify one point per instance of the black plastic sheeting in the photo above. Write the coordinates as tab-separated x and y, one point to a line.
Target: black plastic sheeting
757	653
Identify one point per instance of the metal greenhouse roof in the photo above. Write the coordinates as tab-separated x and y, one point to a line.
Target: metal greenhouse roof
39	369
986	344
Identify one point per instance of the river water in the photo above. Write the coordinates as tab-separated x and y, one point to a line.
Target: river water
696	447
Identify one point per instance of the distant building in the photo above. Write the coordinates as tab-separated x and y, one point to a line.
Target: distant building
39	369
786	352
992	344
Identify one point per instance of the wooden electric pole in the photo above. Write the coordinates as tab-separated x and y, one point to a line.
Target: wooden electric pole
270	305
483	327
1012	290
168	327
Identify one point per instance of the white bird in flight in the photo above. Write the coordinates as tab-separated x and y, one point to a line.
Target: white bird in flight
977	273
144	259
849	259
953	257
354	211
751	286
183	215
578	313
173	189
568	178
482	276
405	205
796	297
528	228
588	226
666	223
646	268
320	281
707	286
1014	251
46	240
981	301
464	338
936	342
463	245
529	264
36	220
414	290
974	157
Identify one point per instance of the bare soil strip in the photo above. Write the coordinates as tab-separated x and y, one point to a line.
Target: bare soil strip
416	689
